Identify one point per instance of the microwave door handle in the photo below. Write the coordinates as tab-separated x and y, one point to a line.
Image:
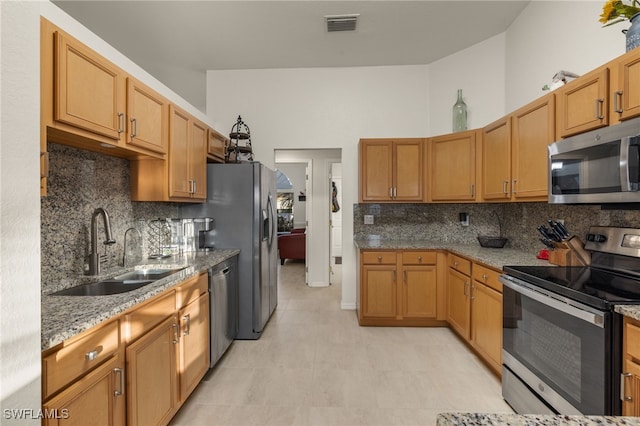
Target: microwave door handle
625	179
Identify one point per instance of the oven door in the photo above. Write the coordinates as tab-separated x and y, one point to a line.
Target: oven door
559	350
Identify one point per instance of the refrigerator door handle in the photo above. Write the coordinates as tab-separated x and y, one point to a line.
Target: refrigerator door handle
272	222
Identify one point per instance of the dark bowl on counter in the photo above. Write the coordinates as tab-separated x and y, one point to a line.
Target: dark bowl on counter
492	242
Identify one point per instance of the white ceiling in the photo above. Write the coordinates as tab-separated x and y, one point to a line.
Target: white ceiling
177	41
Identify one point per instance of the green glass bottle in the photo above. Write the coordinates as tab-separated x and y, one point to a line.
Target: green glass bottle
459	114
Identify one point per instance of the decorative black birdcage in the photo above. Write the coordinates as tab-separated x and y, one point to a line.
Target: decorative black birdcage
239	148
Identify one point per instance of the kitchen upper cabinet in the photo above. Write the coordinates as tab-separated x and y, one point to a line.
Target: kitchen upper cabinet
452	166
626	85
90	103
183	175
88	89
496	160
515	153
216	147
583	104
391	170
147	118
401	288
630	386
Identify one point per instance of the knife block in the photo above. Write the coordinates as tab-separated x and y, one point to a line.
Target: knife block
570	252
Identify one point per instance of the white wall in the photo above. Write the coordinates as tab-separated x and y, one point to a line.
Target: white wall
323	108
480	72
19	211
549	36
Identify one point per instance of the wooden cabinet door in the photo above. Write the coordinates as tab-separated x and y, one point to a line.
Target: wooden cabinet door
88	90
378	291
152	397
452	167
496	160
626	99
486	323
179	174
583	104
376	170
198	159
419	291
407	170
194	348
533	130
96	399
631	387
147	117
216	147
458	303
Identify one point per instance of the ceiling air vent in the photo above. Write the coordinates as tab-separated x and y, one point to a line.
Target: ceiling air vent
341	22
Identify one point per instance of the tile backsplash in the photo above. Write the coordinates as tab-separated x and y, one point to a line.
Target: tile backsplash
79	182
440	222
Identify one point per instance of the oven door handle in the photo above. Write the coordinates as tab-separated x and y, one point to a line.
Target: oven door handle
596	319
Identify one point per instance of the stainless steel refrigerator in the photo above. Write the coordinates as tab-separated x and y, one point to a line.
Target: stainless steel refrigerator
241	198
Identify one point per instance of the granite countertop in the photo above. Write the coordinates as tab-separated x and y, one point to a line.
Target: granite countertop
496	258
65	316
479	419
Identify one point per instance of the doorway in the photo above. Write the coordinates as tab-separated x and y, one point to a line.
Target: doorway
317	206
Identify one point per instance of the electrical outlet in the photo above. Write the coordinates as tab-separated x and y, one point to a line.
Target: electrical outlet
368	219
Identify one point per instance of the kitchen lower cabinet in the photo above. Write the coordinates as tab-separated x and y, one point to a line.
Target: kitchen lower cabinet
135	369
97	399
475	308
458	300
630	388
400	288
486	315
152	375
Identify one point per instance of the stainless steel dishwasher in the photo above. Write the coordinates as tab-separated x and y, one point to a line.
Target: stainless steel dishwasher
223	288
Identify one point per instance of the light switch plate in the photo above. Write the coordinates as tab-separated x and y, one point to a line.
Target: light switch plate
368	219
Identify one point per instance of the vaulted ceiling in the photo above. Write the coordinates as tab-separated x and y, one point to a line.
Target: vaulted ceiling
177	41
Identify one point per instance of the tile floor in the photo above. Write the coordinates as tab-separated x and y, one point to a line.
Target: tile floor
315	366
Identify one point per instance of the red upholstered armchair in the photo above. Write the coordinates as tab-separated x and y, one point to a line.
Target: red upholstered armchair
293	245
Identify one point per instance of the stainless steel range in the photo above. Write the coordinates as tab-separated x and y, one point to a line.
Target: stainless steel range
562	340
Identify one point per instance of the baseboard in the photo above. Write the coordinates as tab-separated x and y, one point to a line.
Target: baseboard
347	306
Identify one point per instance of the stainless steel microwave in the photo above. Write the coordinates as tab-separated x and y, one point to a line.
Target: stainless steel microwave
597	167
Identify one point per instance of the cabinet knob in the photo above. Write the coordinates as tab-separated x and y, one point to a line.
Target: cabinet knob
455	263
485	276
91	355
419	259
379	259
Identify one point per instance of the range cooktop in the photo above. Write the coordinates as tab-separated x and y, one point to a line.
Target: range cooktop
599	288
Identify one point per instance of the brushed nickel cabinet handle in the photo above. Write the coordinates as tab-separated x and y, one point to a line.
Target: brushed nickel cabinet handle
598	112
404	273
419	259
623	397
379	259
134	128
120	391
617	96
92	355
513	186
176	333
505	183
121	121
187	319
473	190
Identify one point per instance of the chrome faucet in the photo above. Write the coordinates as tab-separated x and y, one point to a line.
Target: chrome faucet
94	258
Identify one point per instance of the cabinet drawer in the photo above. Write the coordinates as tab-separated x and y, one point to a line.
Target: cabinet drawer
146	317
378	257
192	288
487	276
419	258
79	356
632	339
459	264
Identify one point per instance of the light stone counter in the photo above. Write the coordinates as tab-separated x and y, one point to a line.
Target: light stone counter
494	257
65	316
479	419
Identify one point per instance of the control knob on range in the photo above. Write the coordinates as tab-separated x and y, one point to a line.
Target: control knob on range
596	238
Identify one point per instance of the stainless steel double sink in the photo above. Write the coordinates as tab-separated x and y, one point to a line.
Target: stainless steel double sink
119	284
